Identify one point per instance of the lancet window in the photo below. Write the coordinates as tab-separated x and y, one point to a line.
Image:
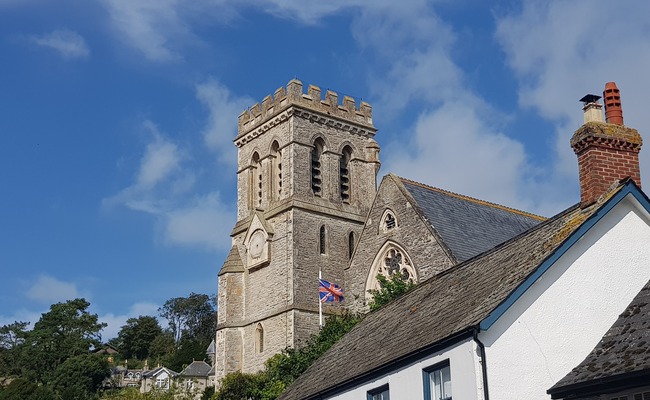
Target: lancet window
276	170
316	177
344	174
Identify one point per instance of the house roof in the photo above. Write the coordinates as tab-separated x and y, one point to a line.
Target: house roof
448	305
155	372
624	351
466	225
197	368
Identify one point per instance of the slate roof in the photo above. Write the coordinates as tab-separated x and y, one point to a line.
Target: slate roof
197	368
622	352
439	309
156	371
466	225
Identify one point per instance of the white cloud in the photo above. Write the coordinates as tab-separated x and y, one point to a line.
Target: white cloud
68	43
205	222
115	322
223	109
561	50
165	188
49	290
161	158
159	29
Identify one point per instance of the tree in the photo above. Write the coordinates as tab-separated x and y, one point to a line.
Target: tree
24	389
80	377
136	337
194	316
389	289
12	337
67	330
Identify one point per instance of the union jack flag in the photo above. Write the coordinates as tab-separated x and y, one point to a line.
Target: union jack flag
329	292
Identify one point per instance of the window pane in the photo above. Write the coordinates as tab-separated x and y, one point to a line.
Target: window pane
440	383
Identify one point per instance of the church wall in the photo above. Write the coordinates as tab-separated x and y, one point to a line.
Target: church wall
411	233
308	258
268	288
275	340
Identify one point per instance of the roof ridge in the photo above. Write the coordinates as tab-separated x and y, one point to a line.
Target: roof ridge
473	199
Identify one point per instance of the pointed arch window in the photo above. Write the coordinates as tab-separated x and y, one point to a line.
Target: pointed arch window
388	221
350	245
344	174
256	180
391	259
316	176
321	239
276	170
259	338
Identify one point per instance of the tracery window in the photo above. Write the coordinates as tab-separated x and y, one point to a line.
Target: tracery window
316	179
395	261
391	259
344	174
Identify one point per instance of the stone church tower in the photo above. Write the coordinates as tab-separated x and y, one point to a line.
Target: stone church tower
306	179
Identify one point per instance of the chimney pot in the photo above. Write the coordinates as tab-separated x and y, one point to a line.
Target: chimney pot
613	109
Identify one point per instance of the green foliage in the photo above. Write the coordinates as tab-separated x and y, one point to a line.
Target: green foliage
67	330
162	345
194	316
389	289
282	369
80	377
135	338
12	337
156	394
25	390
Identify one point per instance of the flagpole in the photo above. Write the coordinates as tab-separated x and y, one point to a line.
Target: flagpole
320	303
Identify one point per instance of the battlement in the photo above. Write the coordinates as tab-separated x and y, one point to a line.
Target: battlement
293	94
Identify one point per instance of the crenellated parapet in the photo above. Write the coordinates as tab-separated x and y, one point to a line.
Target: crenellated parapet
347	115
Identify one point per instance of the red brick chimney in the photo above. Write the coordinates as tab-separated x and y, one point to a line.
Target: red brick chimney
607	151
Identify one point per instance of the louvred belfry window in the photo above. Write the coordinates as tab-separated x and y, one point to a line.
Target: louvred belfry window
316	178
344	174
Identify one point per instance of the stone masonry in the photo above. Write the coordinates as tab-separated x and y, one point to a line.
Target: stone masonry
268	286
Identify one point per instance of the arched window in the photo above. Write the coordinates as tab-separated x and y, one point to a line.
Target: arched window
276	170
350	245
257	180
344	173
316	178
391	259
259	338
388	221
321	240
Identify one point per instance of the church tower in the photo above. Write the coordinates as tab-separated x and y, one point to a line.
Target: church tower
306	179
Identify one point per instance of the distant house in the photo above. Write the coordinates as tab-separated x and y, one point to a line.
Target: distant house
161	378
619	366
196	377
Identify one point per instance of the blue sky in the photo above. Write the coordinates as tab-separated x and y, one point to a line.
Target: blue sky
117	117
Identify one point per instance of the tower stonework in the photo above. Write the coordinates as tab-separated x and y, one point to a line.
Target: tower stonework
306	179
